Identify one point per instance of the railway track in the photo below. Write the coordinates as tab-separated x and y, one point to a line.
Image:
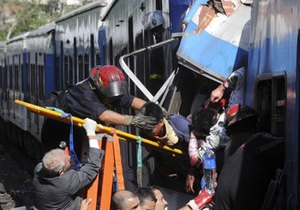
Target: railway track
15	177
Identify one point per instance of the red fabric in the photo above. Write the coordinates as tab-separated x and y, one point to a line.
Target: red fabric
203	198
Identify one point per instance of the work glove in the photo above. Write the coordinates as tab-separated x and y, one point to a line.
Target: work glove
141	121
201	200
90	127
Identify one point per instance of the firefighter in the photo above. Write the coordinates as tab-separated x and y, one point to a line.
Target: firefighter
94	98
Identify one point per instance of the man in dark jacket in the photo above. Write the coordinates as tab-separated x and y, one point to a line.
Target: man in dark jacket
251	160
56	186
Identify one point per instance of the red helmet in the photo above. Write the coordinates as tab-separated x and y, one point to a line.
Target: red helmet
109	80
238	113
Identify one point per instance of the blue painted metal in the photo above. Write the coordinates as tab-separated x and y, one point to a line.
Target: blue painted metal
274	49
220	47
178	9
102	45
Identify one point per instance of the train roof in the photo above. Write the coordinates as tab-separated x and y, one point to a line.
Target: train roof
2	44
45	29
83	9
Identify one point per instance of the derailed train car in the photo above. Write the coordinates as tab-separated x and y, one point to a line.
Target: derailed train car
268	46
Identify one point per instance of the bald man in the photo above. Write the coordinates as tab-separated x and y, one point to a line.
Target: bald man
125	200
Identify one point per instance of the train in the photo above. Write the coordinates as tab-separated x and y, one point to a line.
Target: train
172	52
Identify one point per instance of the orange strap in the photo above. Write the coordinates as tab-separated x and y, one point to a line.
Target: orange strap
93	190
118	161
107	180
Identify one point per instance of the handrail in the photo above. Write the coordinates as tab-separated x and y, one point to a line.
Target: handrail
136	81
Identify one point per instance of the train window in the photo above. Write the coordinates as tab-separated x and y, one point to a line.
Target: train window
61	67
92	50
68	70
16	75
10	77
71	71
271	104
97	58
159	4
80	67
32	79
155	63
141	63
13	81
41	82
111	56
57	74
75	60
19	75
86	65
21	70
28	76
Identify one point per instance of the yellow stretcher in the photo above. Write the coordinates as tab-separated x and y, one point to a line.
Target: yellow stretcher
100	128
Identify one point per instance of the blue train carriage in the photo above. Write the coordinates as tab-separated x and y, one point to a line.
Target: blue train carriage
15	55
29	59
38	73
273	81
77	49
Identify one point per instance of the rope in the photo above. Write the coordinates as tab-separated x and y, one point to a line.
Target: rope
139	162
71	142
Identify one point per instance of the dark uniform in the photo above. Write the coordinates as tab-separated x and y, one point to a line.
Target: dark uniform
80	100
252	159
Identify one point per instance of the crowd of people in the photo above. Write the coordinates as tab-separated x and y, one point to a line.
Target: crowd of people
250	158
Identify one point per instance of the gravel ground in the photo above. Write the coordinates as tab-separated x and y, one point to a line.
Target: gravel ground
15	178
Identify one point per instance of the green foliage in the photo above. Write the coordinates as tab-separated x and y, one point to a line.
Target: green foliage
27	16
2	35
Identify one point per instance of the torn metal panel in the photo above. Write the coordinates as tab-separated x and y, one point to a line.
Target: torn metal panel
213	43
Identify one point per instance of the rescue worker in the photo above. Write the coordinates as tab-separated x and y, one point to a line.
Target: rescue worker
95	98
56	185
235	83
251	159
